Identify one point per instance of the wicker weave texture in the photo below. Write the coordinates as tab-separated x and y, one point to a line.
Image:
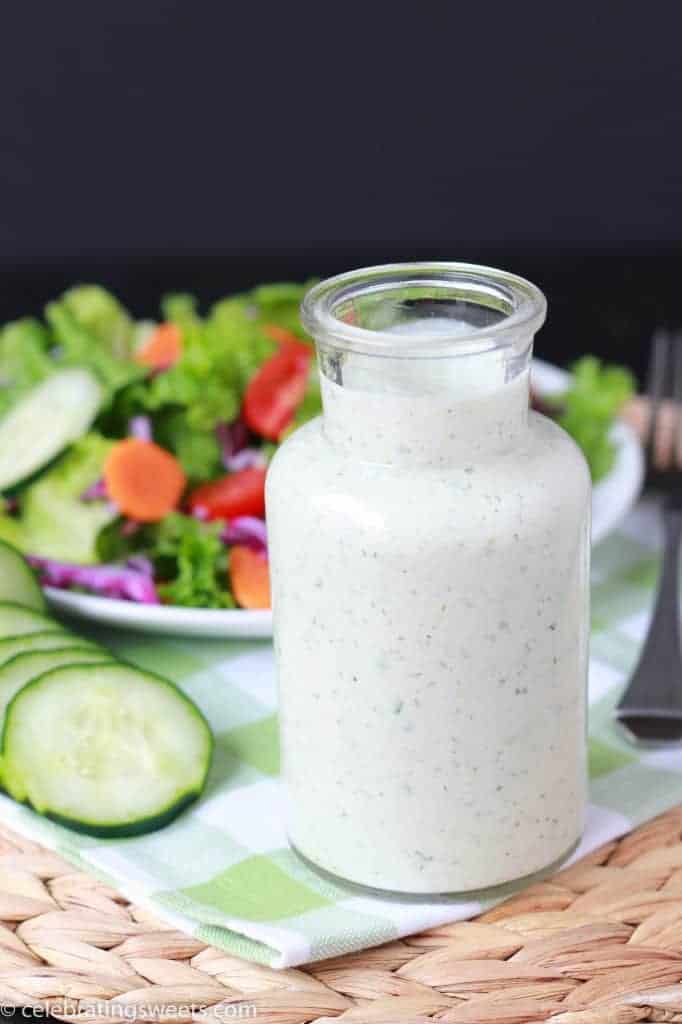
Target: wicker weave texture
600	943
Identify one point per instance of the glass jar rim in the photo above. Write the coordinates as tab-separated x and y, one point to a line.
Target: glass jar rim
526	302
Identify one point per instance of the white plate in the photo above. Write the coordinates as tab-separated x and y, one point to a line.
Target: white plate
611	500
159	618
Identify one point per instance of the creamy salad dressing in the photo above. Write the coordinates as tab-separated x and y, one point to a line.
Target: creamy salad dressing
429	558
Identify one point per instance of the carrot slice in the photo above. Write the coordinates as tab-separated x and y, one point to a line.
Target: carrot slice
144	480
162	349
250	577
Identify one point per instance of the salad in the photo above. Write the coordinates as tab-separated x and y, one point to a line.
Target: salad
133	454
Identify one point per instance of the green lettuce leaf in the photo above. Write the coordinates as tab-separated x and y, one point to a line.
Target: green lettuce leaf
24	359
235	340
181	308
12	531
220	354
590	406
103	316
94	331
114	544
279	304
191	556
204	383
198	450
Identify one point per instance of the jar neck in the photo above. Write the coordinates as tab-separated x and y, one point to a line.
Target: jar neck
424	362
441	428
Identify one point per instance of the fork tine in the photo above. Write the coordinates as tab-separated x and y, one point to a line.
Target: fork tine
677	399
656	382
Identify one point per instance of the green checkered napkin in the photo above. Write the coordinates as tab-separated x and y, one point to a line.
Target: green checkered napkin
223	871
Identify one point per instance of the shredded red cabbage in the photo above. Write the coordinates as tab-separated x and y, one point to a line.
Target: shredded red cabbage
98	492
129	583
95	491
141	428
141	564
247	458
233	439
247	530
130	527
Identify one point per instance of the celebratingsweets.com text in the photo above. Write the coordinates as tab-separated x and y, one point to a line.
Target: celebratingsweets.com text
134	1012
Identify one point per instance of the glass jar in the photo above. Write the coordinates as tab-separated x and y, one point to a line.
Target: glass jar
429	552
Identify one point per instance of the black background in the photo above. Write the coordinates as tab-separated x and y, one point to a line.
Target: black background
209	145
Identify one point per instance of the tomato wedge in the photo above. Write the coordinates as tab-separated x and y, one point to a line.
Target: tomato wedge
237	494
276	390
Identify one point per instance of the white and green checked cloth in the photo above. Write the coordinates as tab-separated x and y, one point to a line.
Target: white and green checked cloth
223	871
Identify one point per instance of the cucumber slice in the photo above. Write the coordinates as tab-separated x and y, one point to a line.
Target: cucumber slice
43	422
17	579
13	645
105	749
22	668
17	619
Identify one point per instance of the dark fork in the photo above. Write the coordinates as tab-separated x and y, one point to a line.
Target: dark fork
650	710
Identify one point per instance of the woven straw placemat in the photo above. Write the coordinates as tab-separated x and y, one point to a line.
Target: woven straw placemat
599	943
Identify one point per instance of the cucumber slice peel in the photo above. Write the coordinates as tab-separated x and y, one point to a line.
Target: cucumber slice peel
49	417
17	579
105	749
10	646
16	619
